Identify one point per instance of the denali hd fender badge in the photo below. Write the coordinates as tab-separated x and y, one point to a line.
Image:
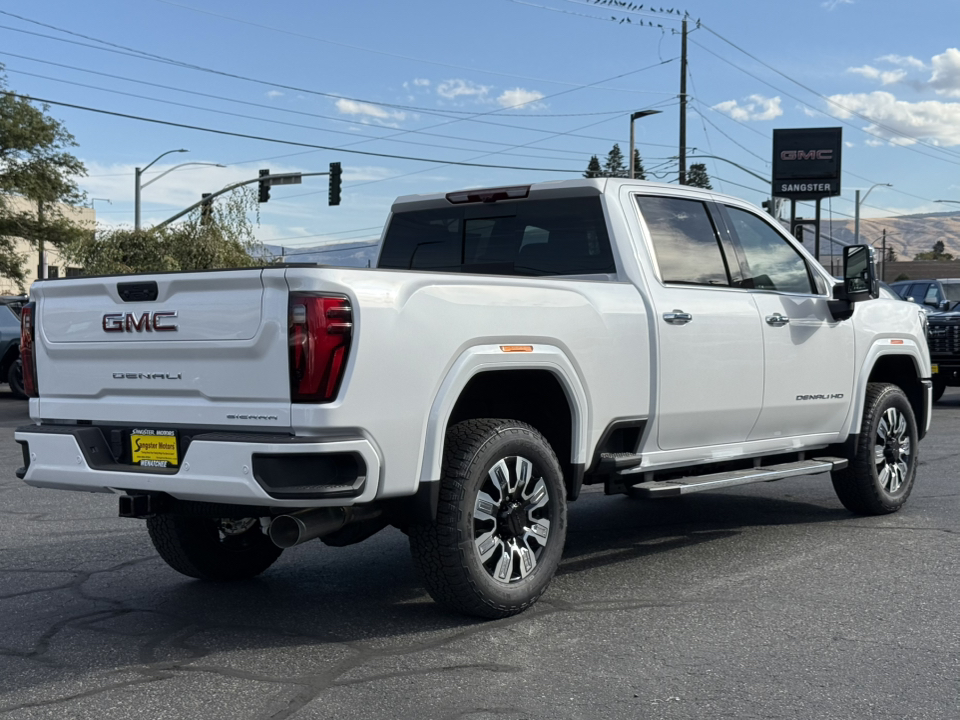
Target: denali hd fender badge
147	376
149	321
252	417
832	396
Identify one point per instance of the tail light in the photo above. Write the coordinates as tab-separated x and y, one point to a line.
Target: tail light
320	329
28	359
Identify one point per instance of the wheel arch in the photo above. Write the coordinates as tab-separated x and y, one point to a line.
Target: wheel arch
900	365
541	387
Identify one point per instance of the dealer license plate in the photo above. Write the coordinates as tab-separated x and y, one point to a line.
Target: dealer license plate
935	369
154	448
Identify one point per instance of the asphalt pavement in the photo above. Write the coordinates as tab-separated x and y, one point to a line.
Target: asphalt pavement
763	601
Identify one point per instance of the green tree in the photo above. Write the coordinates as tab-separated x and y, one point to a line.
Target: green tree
697	176
37	177
614	165
938	253
226	240
638	172
593	168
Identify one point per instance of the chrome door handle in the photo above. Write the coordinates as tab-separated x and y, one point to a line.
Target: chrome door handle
677	317
777	320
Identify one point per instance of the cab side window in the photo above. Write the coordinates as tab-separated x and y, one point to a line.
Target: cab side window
684	240
773	263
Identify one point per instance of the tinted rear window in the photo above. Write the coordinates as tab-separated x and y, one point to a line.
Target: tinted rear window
530	237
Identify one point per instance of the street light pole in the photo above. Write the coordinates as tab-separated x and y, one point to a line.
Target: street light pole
635	116
137	172
856	213
177	167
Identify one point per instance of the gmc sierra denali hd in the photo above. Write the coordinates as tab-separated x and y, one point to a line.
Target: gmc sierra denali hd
512	345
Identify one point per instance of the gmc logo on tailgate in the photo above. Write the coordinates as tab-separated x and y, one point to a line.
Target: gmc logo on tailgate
148	321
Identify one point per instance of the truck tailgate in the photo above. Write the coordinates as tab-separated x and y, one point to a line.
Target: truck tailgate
203	348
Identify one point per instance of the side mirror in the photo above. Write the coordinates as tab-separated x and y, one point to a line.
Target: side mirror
860	273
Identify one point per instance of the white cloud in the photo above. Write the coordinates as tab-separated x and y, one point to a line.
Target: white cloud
832	4
946	73
452	89
903	61
274	94
847	143
931	120
754	107
886	77
520	99
421	82
367	110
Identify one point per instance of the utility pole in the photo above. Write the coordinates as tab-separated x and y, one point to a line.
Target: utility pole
883	257
42	267
683	105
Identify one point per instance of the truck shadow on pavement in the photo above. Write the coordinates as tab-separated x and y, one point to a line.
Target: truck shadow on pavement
127	611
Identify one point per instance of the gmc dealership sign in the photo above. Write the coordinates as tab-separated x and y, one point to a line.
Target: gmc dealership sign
806	162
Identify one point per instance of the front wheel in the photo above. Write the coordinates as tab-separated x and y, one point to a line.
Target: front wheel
880	476
501	520
211	548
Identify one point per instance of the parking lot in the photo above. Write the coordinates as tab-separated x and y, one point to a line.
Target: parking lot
764	601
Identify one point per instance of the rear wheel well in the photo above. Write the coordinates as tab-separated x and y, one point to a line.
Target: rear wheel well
532	396
900	370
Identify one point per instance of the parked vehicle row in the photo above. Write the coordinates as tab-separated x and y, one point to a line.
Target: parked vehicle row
11	370
941	300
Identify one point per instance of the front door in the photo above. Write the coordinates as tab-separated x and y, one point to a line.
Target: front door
808	356
710	354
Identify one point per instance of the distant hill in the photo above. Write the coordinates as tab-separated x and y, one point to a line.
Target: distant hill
908	235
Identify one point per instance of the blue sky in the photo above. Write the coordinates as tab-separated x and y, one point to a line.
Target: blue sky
534	84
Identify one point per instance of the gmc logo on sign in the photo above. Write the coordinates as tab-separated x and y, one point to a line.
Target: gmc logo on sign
148	321
806	155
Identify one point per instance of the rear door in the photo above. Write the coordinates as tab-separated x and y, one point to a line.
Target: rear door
808	356
205	348
710	357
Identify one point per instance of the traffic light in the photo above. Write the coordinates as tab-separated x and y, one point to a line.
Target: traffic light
335	172
206	210
798	231
768	206
264	193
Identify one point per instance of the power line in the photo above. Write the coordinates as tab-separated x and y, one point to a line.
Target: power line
805	103
830	100
277	140
269	120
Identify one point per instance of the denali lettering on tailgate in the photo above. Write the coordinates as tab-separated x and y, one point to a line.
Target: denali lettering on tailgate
129	322
147	376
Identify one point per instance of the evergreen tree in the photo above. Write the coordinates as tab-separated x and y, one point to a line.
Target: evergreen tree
697	176
638	172
614	166
593	168
938	253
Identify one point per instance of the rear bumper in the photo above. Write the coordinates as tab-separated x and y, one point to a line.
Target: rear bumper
276	471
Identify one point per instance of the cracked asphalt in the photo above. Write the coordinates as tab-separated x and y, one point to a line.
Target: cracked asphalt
764	601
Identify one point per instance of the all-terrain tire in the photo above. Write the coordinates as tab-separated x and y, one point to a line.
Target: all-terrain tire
198	548
881	474
501	520
15	379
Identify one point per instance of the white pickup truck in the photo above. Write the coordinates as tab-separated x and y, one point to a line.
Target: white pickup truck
512	345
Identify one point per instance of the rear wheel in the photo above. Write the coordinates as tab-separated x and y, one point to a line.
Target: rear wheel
501	520
211	548
880	476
